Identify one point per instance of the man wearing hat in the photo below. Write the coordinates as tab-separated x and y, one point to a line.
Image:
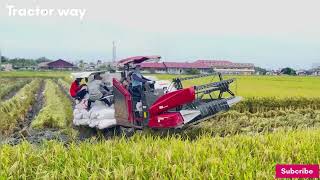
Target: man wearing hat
136	82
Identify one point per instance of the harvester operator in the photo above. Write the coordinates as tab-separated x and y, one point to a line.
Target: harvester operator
137	80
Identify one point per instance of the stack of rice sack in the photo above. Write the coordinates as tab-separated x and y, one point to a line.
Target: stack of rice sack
80	114
101	116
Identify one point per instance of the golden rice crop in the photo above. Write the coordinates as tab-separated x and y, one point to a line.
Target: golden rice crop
65	85
233	123
12	85
149	157
264	86
15	109
262	104
263	115
38	74
278	122
57	111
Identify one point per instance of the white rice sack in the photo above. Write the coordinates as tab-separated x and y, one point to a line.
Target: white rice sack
93	122
106	123
93	115
75	122
85	114
106	114
77	114
95	109
84	122
76	111
81	105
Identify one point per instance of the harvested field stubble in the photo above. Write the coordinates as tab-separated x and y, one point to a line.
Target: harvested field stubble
233	122
262	115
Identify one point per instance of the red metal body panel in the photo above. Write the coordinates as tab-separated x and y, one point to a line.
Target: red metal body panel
128	99
172	100
166	120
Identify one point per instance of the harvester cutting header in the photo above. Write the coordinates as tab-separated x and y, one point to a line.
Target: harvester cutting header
136	101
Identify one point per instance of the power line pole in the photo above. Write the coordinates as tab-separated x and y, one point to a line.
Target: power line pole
114	52
0	57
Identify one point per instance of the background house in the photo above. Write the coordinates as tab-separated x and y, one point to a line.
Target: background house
57	65
315	71
202	66
6	67
228	67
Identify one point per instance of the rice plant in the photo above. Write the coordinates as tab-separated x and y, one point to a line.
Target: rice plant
57	110
149	157
16	108
11	85
277	123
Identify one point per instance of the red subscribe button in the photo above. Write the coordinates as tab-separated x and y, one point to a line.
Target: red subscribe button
297	171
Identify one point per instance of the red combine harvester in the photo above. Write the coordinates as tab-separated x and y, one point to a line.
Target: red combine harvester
172	107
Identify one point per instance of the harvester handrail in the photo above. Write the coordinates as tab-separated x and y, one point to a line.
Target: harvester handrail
195	77
214	84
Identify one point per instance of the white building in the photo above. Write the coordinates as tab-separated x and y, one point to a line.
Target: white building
203	66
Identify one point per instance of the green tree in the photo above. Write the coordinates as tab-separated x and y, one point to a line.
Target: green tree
260	70
22	62
102	67
111	69
81	64
42	59
193	71
4	59
288	71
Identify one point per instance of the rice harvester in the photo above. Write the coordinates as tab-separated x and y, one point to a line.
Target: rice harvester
162	104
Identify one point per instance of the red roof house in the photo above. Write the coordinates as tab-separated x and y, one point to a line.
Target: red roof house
58	64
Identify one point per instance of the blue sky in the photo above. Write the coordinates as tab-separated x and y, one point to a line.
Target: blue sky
270	34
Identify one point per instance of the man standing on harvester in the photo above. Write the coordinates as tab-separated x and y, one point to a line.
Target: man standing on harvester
98	91
136	82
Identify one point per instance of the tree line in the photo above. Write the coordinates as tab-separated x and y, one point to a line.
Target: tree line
23	62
